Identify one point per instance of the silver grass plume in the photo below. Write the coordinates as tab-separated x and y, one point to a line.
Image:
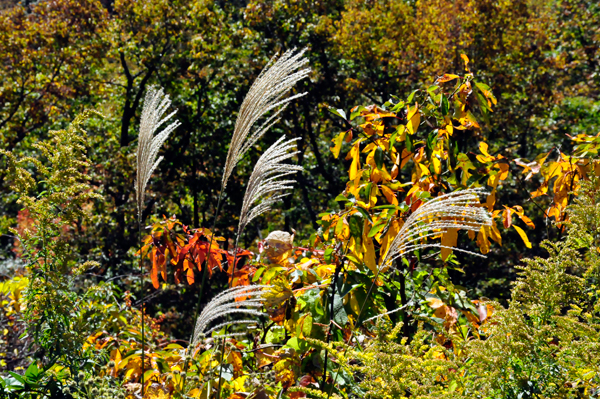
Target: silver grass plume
457	210
264	181
224	304
155	105
266	94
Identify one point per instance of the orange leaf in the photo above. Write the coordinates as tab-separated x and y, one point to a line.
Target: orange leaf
527	221
189	269
154	271
507	218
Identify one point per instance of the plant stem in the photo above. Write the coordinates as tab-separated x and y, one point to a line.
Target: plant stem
338	269
205	270
141	296
235	250
221	367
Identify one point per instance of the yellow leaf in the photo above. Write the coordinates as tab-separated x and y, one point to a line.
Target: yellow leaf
373	195
471	234
466	61
523	236
435	303
482	241
422	171
491	200
448	240
389	195
447	77
354	154
483	147
325	271
115	355
389	237
406	156
342	229
235	359
369	252
414	118
337	141
279	292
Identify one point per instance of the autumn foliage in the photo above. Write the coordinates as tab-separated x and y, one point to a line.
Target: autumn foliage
488	107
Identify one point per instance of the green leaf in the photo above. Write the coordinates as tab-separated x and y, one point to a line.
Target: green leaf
356	223
431	91
411	96
445	106
339	112
408	143
257	274
328	255
398	106
33	372
376	229
339	313
386	207
364	213
431	139
394	135
17	377
356	112
379	158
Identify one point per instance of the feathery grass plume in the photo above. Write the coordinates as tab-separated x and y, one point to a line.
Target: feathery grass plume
155	105
264	181
457	210
225	304
266	94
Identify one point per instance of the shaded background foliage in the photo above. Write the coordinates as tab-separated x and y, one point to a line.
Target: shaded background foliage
541	59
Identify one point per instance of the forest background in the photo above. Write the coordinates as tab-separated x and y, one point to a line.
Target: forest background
538	59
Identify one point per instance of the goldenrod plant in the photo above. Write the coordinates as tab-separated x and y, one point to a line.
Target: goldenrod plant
54	188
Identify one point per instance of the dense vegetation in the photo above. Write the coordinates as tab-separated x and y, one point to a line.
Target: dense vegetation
440	236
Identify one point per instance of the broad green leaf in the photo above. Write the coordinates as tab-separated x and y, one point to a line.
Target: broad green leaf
339	112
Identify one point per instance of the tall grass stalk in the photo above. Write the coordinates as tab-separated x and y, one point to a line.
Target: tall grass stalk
149	143
266	94
265	187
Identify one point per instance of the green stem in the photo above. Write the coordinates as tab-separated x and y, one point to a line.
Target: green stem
330	329
221	367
